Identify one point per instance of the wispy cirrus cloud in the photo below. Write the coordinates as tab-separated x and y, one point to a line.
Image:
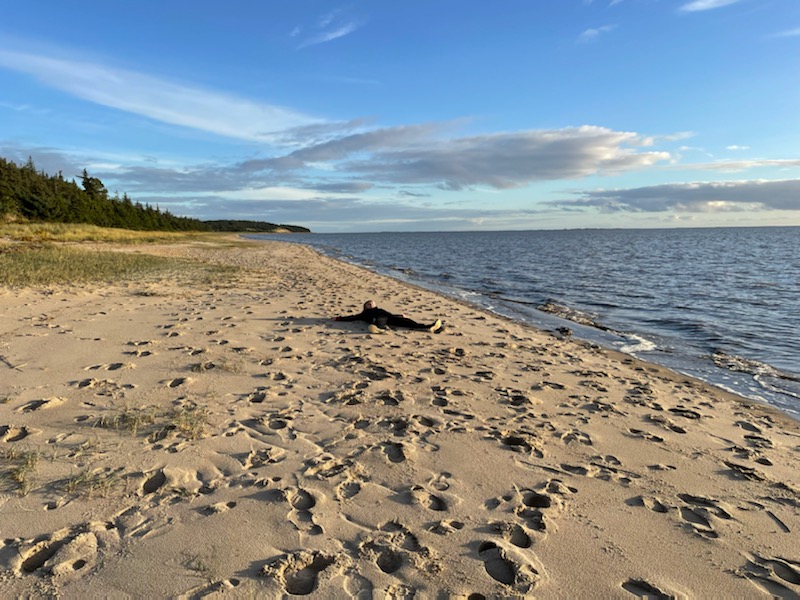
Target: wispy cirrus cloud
788	33
701	5
159	99
744	165
592	34
331	26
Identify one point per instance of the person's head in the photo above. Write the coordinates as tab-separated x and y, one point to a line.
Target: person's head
369	305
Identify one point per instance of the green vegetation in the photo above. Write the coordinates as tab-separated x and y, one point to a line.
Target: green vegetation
93	483
29	195
188	421
52	264
20	465
69	232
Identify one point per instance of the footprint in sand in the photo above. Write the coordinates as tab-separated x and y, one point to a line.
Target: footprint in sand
651	503
446	527
440	482
776	576
114	367
516	398
394	451
258	396
179	381
430	501
532	508
299	572
219	507
758	441
747	426
744	472
666	423
576	436
500	566
519	441
347	489
78	552
264	456
644	589
300	516
392	545
685	413
43	403
606	468
646	435
13	434
715	507
513	533
697	522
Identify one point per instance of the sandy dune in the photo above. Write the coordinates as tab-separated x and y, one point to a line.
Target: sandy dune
234	441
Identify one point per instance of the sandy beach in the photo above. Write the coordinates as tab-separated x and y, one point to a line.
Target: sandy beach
233	441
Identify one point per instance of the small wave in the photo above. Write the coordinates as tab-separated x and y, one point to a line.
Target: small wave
780	385
634	344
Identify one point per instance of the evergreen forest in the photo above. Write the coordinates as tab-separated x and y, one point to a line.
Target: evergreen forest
27	194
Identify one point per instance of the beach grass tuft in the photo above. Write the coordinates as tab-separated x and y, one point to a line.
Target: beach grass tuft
130	419
190	420
20	464
93	483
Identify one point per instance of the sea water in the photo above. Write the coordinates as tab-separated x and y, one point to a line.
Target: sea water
721	304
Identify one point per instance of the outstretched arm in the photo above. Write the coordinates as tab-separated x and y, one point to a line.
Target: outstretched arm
358	317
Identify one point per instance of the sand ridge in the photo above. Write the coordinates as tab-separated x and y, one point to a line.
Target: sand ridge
234	441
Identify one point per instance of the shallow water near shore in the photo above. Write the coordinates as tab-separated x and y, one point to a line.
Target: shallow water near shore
722	304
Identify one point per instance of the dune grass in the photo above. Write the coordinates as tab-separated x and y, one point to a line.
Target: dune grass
50	264
33	255
69	232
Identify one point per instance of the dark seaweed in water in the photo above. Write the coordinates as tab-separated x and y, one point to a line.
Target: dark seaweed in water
744	365
570	314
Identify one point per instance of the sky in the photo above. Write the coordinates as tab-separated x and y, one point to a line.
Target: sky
420	115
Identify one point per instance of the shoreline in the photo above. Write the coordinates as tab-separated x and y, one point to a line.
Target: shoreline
748	377
233	441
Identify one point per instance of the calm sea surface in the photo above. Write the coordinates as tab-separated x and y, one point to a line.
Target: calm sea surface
722	305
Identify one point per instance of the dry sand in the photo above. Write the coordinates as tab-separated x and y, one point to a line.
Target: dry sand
234	441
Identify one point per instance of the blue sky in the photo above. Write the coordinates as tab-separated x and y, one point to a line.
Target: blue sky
417	115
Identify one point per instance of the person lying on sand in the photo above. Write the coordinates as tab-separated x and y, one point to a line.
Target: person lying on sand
380	319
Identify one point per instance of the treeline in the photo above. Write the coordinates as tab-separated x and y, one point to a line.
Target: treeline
254	227
35	196
31	195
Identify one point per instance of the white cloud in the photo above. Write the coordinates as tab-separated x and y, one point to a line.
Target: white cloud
700	5
744	165
412	155
332	34
331	26
159	99
788	33
592	34
694	197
